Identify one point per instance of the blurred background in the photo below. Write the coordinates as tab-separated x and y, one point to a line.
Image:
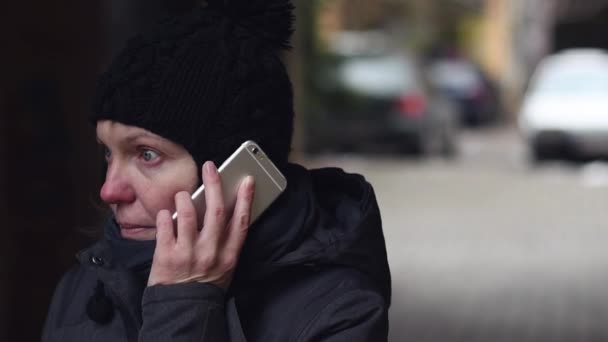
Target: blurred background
482	124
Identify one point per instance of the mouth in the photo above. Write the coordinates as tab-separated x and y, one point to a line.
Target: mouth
130	226
132	231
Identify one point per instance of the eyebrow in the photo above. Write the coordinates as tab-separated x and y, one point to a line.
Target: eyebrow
134	137
140	135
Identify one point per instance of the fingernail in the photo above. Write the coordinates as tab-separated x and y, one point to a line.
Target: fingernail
211	169
249	182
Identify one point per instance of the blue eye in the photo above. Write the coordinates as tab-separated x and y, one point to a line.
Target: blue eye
149	155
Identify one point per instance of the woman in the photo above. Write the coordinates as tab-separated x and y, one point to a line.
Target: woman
174	104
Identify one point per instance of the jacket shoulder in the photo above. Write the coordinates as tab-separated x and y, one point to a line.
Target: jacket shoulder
311	303
355	310
71	293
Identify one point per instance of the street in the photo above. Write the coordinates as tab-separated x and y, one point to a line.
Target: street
487	247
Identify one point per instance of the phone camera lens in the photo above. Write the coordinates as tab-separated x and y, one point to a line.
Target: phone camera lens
255	150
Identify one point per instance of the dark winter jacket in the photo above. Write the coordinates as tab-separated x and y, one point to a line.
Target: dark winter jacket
314	268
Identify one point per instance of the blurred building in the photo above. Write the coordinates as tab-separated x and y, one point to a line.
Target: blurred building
49	173
507	37
517	34
542	26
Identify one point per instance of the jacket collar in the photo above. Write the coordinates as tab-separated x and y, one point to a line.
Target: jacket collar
122	286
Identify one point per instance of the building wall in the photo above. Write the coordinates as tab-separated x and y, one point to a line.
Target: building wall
48	169
50	172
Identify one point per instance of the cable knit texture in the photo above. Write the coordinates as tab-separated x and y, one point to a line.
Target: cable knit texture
208	80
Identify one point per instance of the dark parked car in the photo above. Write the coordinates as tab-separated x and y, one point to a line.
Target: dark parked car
469	87
380	100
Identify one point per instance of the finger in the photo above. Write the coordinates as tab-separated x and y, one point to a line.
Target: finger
165	236
242	218
215	215
186	219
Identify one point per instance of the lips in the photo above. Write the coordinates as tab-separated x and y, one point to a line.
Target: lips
128	226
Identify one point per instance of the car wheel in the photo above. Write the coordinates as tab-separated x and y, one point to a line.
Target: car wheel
448	148
423	146
539	154
411	146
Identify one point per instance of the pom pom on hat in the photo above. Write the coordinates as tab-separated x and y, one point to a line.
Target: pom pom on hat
271	20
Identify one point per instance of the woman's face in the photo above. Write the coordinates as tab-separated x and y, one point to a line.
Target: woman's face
145	171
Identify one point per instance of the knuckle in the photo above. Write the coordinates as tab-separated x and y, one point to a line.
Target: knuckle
181	258
229	263
186	214
207	262
244	220
219	212
163	261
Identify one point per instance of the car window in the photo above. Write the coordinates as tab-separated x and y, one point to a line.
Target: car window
387	76
585	82
455	75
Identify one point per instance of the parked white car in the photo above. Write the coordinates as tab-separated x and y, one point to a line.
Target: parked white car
565	111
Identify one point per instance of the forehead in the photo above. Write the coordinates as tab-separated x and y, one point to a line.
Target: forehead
112	131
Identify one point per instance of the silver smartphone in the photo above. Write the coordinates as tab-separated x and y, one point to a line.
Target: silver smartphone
248	160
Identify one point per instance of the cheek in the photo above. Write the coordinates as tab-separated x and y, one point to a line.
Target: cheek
160	193
158	197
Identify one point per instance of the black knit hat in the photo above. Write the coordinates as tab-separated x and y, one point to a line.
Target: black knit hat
208	80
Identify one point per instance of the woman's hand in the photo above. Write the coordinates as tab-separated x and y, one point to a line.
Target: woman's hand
211	254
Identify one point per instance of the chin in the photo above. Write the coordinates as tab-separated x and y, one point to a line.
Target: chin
139	234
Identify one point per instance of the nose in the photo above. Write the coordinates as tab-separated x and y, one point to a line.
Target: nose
117	187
